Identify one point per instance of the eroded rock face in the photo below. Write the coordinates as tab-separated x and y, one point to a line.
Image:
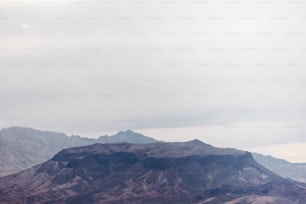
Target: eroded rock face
191	172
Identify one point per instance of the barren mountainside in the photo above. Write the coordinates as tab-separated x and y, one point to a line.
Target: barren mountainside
22	148
190	172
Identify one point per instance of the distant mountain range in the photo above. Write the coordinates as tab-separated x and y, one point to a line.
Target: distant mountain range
163	173
22	148
295	171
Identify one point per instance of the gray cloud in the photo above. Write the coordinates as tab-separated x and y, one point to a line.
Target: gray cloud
108	65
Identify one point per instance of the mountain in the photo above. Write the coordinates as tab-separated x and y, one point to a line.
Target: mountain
154	173
295	171
22	148
126	136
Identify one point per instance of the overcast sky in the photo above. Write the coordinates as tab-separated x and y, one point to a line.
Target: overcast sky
231	73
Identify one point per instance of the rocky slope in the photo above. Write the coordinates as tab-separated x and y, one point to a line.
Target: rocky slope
181	173
22	148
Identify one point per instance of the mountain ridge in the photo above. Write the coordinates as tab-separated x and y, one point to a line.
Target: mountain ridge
22	148
284	168
150	173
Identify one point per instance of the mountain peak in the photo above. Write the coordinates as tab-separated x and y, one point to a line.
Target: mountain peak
126	136
196	141
127	131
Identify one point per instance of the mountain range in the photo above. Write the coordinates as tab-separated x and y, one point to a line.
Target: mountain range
191	172
295	171
22	148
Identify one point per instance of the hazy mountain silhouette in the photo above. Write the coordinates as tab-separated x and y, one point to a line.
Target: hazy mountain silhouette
295	171
163	173
22	148
126	136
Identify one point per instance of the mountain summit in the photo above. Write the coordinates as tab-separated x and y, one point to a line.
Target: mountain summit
126	136
190	172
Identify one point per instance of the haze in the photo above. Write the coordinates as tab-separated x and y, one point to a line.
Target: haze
231	73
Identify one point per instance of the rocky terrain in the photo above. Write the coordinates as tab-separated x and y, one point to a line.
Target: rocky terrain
181	173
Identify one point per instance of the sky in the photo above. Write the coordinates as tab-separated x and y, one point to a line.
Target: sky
230	73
